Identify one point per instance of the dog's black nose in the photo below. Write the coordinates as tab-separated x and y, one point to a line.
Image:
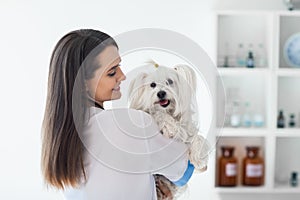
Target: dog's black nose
161	94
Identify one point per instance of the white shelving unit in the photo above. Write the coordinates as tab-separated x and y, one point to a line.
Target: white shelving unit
269	89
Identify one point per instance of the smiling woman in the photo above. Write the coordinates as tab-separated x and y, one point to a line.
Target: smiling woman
89	152
60	136
105	85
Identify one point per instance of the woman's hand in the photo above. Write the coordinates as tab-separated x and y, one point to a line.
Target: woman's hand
164	191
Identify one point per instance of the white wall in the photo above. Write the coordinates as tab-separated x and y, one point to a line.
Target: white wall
29	31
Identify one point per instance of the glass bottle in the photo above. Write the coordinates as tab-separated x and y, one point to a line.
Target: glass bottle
227	167
232	94
226	56
261	57
246	120
235	119
253	167
292	121
294	179
258	120
250	60
241	56
280	120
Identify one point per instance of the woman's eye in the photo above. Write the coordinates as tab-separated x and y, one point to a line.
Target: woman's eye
153	85
169	82
114	70
112	74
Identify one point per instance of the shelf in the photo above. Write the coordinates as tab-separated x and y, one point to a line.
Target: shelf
295	13
288	98
235	71
244	12
267	90
239	143
243	132
288	72
242	90
257	190
246	29
286	187
288	132
242	189
286	160
288	13
288	26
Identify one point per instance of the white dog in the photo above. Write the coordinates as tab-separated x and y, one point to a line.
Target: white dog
168	94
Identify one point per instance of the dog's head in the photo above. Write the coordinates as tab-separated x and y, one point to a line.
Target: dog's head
169	89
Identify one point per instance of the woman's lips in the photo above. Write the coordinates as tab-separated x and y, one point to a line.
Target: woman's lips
117	88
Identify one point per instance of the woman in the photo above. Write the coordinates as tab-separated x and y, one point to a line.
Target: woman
76	155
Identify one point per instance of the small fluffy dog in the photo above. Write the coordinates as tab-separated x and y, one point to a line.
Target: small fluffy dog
168	94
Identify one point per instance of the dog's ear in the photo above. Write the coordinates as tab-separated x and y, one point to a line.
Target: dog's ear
134	91
188	74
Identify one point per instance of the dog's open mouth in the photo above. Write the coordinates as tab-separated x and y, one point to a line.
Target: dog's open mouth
164	102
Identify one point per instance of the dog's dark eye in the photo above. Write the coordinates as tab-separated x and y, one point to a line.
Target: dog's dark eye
153	85
169	82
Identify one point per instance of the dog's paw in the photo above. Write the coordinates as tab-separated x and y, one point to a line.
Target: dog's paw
201	170
199	153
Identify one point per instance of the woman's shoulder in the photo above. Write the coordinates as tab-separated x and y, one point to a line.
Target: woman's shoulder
128	119
98	112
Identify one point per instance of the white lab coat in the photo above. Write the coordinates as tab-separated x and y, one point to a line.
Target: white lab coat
124	148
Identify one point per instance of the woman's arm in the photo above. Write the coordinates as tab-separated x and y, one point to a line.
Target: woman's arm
168	157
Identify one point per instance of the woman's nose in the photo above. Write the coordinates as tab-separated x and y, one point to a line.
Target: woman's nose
122	76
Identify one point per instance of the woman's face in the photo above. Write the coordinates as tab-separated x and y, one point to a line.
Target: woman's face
105	85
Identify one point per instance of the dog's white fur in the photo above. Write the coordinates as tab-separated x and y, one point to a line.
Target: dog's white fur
175	120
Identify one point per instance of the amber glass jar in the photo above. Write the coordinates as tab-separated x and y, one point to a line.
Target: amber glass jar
253	167
227	167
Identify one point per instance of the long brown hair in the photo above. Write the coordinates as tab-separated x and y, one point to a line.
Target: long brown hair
62	150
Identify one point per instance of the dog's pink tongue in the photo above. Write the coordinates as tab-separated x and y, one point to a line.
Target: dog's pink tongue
163	102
